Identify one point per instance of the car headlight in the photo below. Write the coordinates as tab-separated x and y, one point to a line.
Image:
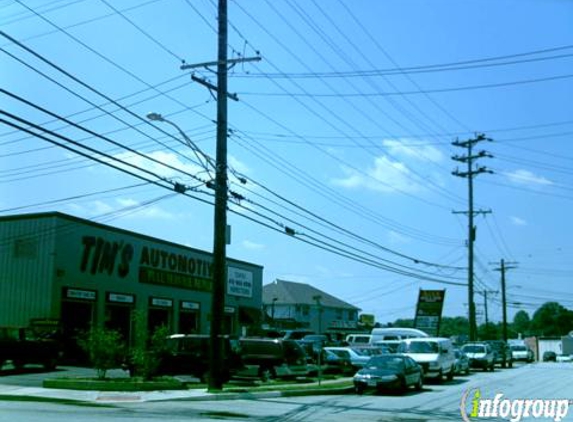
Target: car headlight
361	377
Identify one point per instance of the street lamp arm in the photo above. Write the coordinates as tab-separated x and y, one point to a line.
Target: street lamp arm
196	150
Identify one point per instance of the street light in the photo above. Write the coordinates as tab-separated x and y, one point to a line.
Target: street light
157	117
318	298
220	229
273	310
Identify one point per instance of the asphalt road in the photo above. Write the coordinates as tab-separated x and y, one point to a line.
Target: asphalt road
437	402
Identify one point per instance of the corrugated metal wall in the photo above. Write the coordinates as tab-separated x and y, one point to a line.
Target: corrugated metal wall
26	270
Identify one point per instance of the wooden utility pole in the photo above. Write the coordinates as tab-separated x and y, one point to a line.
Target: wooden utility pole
502	268
221	197
470	174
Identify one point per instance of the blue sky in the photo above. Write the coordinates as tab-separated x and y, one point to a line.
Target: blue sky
343	131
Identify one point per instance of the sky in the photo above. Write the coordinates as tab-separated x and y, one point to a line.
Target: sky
343	132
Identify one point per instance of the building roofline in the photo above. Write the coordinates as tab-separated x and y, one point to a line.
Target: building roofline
64	216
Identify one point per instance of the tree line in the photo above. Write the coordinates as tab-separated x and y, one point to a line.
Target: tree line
549	320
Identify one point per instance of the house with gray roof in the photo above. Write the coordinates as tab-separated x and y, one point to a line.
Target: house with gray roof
288	304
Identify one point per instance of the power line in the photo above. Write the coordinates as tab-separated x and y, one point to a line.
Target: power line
72	198
308	180
145	33
417	92
430	68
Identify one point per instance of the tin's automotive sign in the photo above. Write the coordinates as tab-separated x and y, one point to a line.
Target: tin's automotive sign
429	311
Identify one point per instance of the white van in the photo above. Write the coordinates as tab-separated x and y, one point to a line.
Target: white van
358	339
391	337
434	354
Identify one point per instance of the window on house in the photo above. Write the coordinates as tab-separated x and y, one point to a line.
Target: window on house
339	314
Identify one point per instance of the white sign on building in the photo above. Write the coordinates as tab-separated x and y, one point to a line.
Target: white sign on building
239	282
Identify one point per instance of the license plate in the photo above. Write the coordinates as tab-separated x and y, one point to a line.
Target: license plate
371	383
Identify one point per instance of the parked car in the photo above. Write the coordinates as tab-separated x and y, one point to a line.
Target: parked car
392	336
337	361
549	356
393	372
462	362
480	355
357	358
563	358
521	352
502	353
371	350
268	358
188	354
434	354
23	346
297	334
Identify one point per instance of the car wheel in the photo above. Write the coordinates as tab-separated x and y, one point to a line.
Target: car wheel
266	374
492	368
450	375
503	364
359	389
420	384
510	364
18	364
50	364
467	370
440	378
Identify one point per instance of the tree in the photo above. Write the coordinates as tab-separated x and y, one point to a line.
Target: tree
105	349
521	323
552	319
145	355
454	326
489	331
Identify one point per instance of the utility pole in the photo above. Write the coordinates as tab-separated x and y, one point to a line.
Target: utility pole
221	196
471	172
485	293
502	268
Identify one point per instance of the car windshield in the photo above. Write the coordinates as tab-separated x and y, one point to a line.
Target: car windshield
340	353
519	348
386	362
474	349
420	347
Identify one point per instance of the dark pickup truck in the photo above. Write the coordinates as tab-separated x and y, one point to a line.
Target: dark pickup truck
23	346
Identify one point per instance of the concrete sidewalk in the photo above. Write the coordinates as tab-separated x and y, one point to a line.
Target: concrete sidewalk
14	392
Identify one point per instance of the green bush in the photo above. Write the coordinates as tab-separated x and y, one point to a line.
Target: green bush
105	349
145	356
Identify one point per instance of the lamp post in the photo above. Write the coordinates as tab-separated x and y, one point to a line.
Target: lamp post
157	117
273	310
220	229
318	298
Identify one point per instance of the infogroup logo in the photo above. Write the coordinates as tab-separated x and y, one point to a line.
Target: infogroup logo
474	406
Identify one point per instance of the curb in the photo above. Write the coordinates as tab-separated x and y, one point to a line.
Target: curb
266	394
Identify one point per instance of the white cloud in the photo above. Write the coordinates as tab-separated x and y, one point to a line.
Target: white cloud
247	244
127	202
98	208
385	176
525	177
397	238
238	165
518	221
418	151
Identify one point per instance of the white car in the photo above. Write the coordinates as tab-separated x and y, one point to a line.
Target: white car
563	358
